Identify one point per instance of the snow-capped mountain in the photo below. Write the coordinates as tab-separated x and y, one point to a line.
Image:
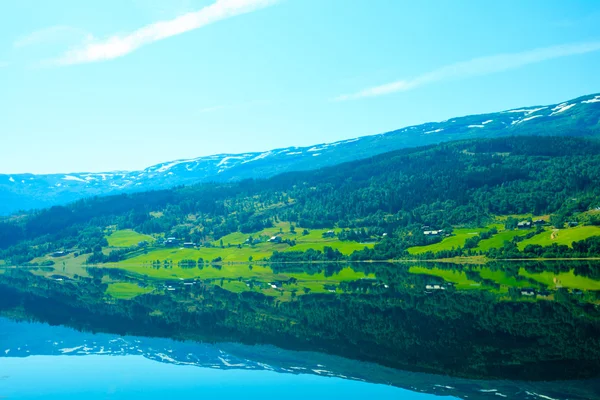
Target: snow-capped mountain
577	117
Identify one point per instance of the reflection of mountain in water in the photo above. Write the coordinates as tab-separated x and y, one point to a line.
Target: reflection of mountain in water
28	339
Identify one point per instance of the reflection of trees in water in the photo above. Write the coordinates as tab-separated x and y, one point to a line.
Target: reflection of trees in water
452	332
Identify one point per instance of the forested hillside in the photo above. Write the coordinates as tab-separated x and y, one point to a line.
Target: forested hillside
458	183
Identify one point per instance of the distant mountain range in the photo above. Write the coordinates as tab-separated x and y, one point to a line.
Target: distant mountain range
35	339
577	117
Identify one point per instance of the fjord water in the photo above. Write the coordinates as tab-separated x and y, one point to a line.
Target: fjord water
390	330
68	364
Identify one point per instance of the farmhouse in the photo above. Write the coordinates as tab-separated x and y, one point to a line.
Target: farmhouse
329	234
524	225
171	242
539	222
61	253
275	239
189	245
433	233
528	292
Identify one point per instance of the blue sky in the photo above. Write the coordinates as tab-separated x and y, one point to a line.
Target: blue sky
124	84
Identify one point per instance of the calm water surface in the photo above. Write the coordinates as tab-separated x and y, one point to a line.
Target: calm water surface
526	331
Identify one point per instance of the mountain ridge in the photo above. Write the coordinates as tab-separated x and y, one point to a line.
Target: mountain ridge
576	117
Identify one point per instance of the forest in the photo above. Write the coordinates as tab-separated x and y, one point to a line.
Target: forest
462	183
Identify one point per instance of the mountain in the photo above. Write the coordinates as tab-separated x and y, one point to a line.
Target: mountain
466	182
577	117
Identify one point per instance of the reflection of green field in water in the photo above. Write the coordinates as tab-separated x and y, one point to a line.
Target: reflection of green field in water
125	290
236	278
459	278
549	279
563	279
502	278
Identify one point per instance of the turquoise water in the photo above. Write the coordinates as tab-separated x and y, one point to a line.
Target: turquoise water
130	377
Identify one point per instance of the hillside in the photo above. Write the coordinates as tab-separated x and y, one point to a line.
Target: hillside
578	117
465	183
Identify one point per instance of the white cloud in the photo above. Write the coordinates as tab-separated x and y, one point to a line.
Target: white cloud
52	34
475	67
120	45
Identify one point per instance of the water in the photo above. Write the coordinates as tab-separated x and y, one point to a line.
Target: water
517	330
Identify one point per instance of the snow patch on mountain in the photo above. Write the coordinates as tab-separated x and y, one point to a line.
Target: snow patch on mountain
594	100
73	178
526	119
561	108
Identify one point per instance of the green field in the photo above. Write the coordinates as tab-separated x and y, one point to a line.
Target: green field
127	238
561	236
124	290
234	249
454	241
497	241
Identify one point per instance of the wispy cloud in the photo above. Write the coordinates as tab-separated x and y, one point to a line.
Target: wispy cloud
52	34
120	45
475	67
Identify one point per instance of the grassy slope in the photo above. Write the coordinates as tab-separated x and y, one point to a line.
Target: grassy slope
457	240
127	238
260	251
498	239
562	236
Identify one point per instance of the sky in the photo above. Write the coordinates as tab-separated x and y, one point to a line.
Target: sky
124	84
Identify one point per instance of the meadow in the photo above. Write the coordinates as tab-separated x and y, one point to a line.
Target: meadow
456	240
561	236
127	238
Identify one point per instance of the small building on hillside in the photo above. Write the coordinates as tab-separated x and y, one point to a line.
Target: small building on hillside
528	292
539	222
433	233
275	239
189	245
329	234
171	242
573	224
524	225
60	253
